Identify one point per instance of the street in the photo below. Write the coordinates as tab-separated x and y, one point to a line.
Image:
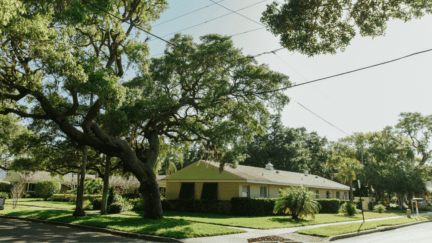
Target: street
419	233
14	230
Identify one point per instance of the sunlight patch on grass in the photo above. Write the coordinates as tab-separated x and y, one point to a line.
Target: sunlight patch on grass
39	202
165	227
332	230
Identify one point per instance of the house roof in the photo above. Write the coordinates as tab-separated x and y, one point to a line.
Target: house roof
42	175
260	175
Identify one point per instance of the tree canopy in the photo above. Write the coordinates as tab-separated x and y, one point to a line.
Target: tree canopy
319	27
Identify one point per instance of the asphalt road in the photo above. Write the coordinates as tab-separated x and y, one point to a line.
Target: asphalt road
14	230
420	233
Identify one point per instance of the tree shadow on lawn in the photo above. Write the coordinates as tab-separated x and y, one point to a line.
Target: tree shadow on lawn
164	227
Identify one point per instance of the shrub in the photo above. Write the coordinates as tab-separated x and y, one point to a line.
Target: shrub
137	204
296	201
97	204
87	204
394	199
72	197
4	195
243	206
131	195
379	208
115	208
5	186
348	208
425	208
329	205
46	188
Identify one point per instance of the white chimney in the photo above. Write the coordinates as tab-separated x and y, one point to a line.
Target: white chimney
306	173
269	166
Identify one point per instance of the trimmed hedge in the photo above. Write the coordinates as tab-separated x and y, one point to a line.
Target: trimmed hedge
198	206
47	188
357	203
5	186
329	205
243	206
72	197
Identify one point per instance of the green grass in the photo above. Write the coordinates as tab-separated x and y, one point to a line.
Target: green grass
165	227
39	202
270	222
332	230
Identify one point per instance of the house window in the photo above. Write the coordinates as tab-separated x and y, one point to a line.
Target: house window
328	194
245	191
338	195
346	195
30	187
317	194
263	191
209	191
187	190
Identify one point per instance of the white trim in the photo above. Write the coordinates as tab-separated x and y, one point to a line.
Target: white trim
219	181
292	184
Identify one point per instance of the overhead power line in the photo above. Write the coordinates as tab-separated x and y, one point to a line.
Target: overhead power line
237	13
197	10
210	20
352	71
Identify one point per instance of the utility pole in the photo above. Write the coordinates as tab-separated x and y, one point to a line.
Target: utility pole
358	182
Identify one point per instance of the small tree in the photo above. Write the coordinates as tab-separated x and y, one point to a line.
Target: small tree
347	172
17	191
46	188
297	201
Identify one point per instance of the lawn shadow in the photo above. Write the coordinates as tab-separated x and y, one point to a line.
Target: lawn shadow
359	229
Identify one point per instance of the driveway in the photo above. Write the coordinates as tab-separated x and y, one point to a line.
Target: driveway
15	230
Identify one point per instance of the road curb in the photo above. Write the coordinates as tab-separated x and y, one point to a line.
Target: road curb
379	229
97	229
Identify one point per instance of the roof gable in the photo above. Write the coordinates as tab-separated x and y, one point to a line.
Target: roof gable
203	171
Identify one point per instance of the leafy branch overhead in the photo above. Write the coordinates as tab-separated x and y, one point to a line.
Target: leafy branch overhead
319	27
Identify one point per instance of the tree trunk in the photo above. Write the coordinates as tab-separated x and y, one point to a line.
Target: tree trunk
351	193
79	202
104	208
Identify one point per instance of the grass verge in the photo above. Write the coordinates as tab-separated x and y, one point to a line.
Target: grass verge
270	222
39	202
165	227
332	230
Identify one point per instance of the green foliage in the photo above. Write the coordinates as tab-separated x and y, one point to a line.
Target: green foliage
425	208
348	208
4	195
97	204
329	205
116	208
379	208
301	28
298	202
243	206
5	186
290	149
72	197
46	188
86	204
137	204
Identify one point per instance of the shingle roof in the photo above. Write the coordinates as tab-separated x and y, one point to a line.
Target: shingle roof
42	175
280	177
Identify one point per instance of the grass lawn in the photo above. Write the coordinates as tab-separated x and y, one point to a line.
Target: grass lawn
165	227
39	202
332	230
268	222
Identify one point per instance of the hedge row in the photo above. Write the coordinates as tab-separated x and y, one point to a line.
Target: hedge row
72	197
329	205
197	206
5	186
243	206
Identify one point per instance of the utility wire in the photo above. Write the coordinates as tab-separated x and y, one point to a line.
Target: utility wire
352	71
319	116
210	20
247	32
187	13
237	13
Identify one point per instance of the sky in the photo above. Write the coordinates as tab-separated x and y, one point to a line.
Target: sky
363	101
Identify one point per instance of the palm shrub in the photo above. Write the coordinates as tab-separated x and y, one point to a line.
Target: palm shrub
47	188
297	201
379	208
349	208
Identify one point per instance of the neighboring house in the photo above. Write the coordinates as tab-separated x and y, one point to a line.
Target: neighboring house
131	183
202	180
